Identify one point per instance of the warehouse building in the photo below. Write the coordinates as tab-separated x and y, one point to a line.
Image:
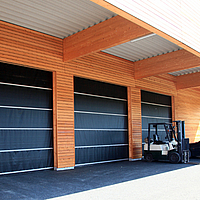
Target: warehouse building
81	80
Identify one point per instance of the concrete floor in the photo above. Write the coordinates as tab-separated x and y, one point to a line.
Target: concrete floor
120	180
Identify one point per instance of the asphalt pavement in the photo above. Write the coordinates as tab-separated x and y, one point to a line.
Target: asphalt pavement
119	180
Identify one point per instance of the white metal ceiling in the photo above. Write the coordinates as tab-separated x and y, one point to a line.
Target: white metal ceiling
177	18
58	18
143	48
186	71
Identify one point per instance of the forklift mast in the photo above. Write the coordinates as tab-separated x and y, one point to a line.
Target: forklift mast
183	143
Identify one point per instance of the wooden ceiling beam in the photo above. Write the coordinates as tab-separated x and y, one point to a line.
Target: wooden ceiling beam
188	81
170	62
106	34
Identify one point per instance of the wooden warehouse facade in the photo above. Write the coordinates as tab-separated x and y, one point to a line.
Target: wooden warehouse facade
80	56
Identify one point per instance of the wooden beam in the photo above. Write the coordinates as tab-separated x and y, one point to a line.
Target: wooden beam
111	32
144	25
170	62
188	81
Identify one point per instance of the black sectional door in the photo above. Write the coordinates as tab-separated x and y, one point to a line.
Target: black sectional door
156	108
101	133
26	140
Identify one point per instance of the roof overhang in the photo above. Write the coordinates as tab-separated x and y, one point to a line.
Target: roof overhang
88	27
127	10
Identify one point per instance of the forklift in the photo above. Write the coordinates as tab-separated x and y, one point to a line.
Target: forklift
174	148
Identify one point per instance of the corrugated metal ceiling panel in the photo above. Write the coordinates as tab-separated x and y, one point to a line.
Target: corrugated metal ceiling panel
186	71
143	48
178	18
58	18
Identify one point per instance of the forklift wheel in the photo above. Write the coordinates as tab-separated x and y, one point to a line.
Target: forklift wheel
148	157
174	158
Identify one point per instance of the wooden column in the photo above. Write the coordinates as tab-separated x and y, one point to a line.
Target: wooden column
134	123
65	149
130	123
55	119
173	104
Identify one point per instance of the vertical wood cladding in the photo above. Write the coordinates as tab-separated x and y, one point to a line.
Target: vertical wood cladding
29	48
135	125
102	67
54	78
164	84
65	120
187	109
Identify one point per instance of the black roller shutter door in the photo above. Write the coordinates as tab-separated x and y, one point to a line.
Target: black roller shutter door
26	137
101	133
156	108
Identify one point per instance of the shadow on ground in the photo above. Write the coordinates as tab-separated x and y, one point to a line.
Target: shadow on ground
48	184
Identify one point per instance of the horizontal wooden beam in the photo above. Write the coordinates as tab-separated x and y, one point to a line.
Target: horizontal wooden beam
170	62
188	81
111	32
144	25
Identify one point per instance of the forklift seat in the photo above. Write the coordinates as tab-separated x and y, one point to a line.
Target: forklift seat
159	142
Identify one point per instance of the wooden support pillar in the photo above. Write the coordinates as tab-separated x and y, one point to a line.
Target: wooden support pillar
134	123
173	108
64	145
55	119
130	123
